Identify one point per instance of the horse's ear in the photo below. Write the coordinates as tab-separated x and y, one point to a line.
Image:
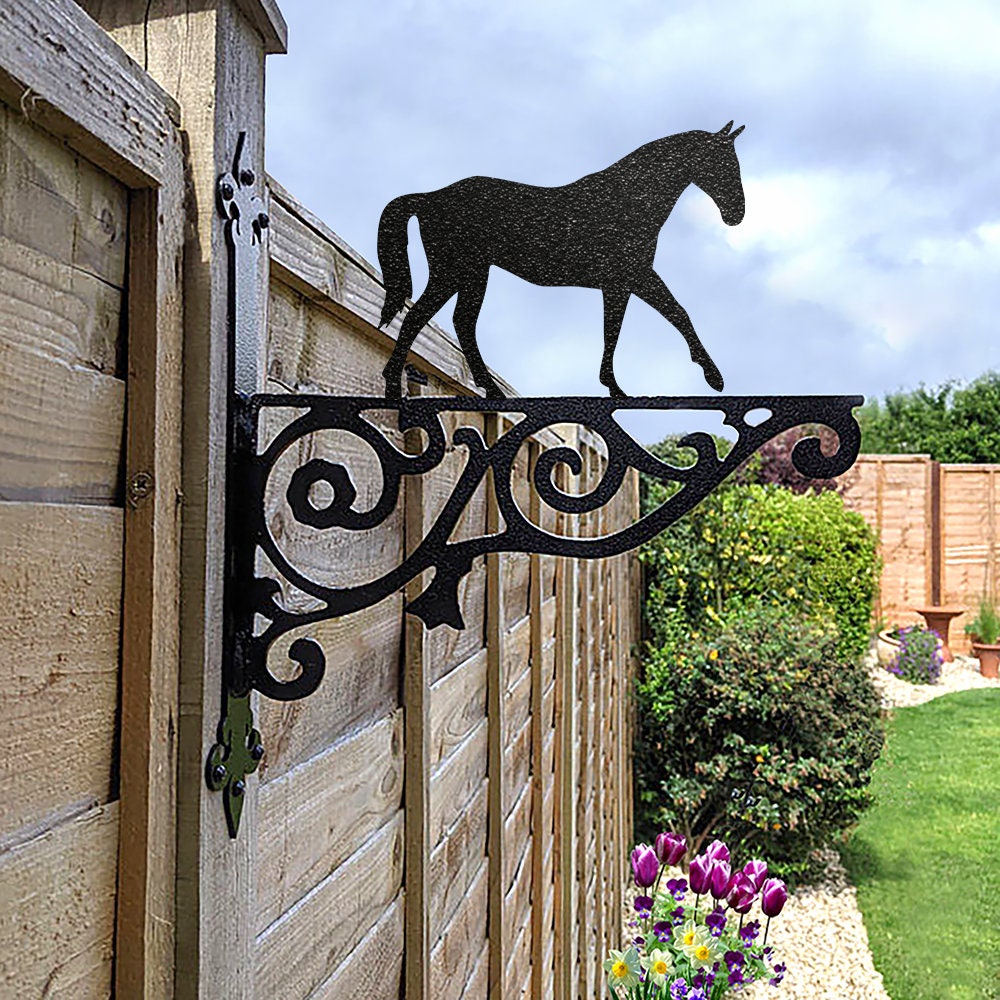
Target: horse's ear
725	129
737	132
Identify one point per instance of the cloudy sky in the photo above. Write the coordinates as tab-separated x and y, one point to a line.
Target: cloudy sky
869	257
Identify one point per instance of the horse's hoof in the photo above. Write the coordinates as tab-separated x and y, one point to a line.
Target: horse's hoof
714	378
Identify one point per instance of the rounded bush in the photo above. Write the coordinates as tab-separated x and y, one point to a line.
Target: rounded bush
763	736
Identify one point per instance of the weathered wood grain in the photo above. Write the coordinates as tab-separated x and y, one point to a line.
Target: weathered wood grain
335	915
61	579
458	704
455	862
73	80
57	920
312	818
517	836
455	781
379	954
361	686
462	946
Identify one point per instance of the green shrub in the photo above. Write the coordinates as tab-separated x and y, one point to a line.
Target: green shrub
750	545
763	737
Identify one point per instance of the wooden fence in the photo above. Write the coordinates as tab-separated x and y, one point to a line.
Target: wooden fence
938	526
449	815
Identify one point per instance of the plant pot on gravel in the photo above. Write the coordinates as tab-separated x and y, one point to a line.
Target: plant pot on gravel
988	655
984	631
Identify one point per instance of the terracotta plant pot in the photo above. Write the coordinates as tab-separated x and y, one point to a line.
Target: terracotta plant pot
988	655
887	648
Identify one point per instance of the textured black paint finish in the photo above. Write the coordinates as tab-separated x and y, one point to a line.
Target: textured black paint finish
598	232
449	559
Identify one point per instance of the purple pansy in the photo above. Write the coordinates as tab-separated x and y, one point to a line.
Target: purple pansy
677	887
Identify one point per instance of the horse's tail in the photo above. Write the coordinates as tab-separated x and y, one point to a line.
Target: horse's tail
392	257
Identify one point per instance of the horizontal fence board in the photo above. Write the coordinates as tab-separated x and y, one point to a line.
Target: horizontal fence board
57	916
455	862
378	956
454	782
310	820
458	704
359	688
462	946
302	949
60	579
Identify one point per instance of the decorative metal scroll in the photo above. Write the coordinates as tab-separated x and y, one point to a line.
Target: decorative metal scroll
267	595
450	559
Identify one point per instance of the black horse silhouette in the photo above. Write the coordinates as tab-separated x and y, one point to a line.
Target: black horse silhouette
598	232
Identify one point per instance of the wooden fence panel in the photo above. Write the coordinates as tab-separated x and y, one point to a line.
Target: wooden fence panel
487	752
938	526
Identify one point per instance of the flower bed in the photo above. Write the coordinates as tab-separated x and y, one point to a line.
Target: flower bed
695	942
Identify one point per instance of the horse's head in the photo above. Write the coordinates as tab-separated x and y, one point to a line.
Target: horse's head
716	170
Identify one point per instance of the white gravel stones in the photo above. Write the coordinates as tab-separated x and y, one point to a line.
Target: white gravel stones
959	675
822	939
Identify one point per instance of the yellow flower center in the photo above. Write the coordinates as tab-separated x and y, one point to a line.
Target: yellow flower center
660	967
701	953
713	654
619	970
689	937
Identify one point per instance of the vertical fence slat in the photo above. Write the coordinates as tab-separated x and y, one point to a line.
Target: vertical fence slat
495	690
416	766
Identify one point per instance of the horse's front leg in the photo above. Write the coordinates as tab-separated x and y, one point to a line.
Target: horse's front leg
650	288
615	301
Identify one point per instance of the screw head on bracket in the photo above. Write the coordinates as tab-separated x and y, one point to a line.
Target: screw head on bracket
257	751
239	787
219	773
247	177
264	220
226	190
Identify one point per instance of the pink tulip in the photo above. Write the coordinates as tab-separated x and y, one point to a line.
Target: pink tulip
670	848
717	851
756	871
742	893
721	876
773	896
700	874
645	866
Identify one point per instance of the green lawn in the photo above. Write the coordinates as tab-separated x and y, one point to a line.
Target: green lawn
926	857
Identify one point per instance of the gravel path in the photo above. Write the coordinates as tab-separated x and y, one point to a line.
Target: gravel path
820	934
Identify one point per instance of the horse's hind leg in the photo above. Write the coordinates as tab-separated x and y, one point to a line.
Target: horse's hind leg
615	301
435	295
470	301
650	288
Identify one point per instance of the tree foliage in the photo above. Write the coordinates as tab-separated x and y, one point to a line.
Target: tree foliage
951	423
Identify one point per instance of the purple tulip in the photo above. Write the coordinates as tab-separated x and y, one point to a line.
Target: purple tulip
670	848
742	893
773	896
721	876
717	851
645	866
700	874
756	871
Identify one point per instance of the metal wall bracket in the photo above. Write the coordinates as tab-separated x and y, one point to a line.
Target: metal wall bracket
267	431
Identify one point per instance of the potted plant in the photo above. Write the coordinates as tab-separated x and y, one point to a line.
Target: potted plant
984	630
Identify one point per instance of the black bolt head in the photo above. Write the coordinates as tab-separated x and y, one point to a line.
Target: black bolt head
239	787
257	751
264	219
227	190
219	772
247	177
